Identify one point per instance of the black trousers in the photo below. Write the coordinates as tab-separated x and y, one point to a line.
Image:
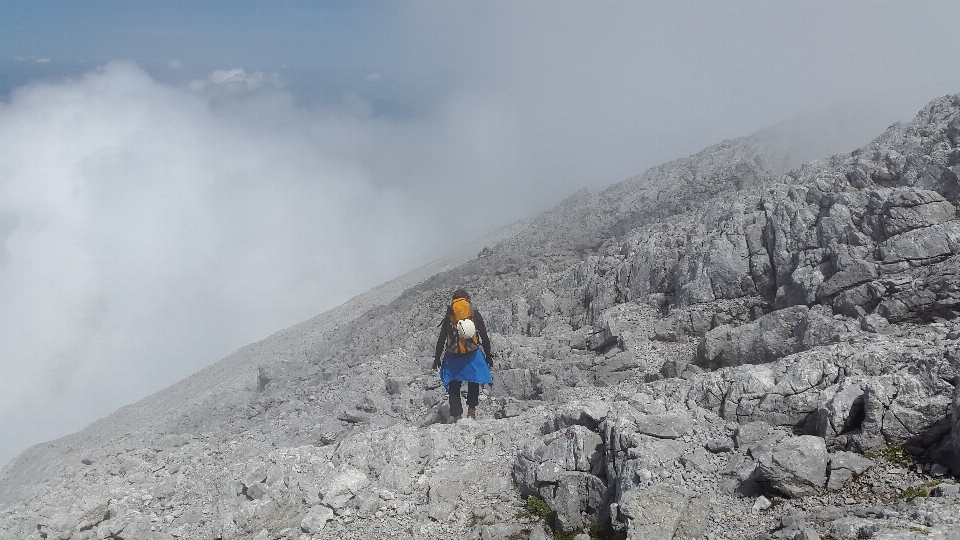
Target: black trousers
473	397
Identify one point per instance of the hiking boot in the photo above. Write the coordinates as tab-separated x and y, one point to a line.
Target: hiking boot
453	419
472	412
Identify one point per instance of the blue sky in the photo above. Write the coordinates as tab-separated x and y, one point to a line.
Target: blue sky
180	179
312	41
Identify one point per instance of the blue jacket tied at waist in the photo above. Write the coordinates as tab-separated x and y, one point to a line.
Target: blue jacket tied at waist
469	367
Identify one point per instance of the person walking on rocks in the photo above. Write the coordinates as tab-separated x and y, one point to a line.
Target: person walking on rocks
465	349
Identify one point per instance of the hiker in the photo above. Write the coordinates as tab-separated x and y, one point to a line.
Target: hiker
465	348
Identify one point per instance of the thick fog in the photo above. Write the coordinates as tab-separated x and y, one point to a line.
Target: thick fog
170	193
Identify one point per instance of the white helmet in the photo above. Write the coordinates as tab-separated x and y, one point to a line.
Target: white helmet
466	329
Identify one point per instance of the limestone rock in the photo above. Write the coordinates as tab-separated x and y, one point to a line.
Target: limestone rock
724	444
654	513
845	466
795	466
316	519
559	469
751	434
446	485
342	487
770	337
665	426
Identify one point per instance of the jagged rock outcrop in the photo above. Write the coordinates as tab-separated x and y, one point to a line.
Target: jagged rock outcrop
717	349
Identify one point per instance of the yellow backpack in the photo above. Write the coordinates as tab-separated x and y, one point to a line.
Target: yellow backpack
463	335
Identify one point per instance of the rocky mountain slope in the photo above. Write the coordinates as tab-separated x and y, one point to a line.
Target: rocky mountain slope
714	349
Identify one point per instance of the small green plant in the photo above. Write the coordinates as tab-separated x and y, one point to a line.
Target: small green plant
537	508
895	454
913	492
601	531
920	530
923	490
559	535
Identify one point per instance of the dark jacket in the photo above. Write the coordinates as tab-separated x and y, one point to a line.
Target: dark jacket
446	329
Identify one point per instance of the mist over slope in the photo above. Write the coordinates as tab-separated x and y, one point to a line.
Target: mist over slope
672	352
199	217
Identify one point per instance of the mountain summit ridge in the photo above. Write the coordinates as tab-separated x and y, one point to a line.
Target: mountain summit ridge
710	349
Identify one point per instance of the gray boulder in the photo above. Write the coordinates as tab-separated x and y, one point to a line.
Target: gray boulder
757	434
443	496
576	497
839	414
770	337
907	209
918	246
519	383
740	476
931	292
316	519
560	469
845	466
654	513
619	368
794	466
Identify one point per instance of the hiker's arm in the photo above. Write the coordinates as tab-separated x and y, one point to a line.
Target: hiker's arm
484	338
441	342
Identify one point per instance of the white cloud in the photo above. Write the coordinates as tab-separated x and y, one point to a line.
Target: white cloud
234	81
175	64
373	77
146	231
43	60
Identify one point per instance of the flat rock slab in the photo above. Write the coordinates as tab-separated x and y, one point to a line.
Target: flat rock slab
665	426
